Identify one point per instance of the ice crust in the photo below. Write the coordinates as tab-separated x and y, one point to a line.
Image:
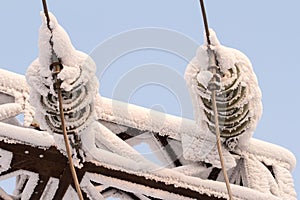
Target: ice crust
103	147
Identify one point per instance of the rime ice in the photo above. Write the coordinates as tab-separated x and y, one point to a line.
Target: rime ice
238	100
79	85
265	169
79	90
113	154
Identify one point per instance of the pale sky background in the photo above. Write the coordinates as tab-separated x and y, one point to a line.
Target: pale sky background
266	31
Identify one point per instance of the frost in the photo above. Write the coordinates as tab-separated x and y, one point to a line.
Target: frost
31	183
14	95
5	160
236	74
50	188
25	135
101	145
125	159
285	183
28	136
141	118
174	127
204	77
79	85
261	151
114	144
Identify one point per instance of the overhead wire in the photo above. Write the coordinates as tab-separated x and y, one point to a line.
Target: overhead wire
56	68
213	86
213	67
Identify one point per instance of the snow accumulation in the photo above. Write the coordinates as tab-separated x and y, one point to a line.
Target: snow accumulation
50	189
258	152
197	140
239	101
128	115
168	176
101	145
78	81
14	134
173	127
14	86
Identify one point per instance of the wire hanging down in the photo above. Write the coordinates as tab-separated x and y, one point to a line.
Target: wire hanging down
56	67
213	85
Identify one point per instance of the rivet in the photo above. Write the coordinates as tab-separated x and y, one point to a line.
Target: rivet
26	152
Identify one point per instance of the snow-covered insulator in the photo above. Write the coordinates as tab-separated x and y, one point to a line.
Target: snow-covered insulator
77	81
77	107
232	104
238	97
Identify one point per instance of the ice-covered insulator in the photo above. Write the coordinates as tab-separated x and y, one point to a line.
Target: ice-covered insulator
59	65
77	107
232	104
76	77
238	97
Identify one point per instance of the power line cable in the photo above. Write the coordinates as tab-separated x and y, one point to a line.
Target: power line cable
56	67
213	86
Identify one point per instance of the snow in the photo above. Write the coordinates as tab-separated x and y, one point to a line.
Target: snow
5	160
132	187
174	127
101	145
204	78
31	184
79	85
9	110
50	188
115	112
14	134
88	188
78	68
77	76
29	187
141	118
236	71
269	153
261	178
285	183
14	90
170	177
194	169
114	144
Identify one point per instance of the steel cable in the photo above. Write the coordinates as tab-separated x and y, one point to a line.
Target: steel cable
56	69
213	87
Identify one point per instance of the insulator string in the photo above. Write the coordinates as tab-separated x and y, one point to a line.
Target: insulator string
57	66
214	84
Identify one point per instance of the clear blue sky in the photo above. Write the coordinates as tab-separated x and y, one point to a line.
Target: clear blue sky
267	31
